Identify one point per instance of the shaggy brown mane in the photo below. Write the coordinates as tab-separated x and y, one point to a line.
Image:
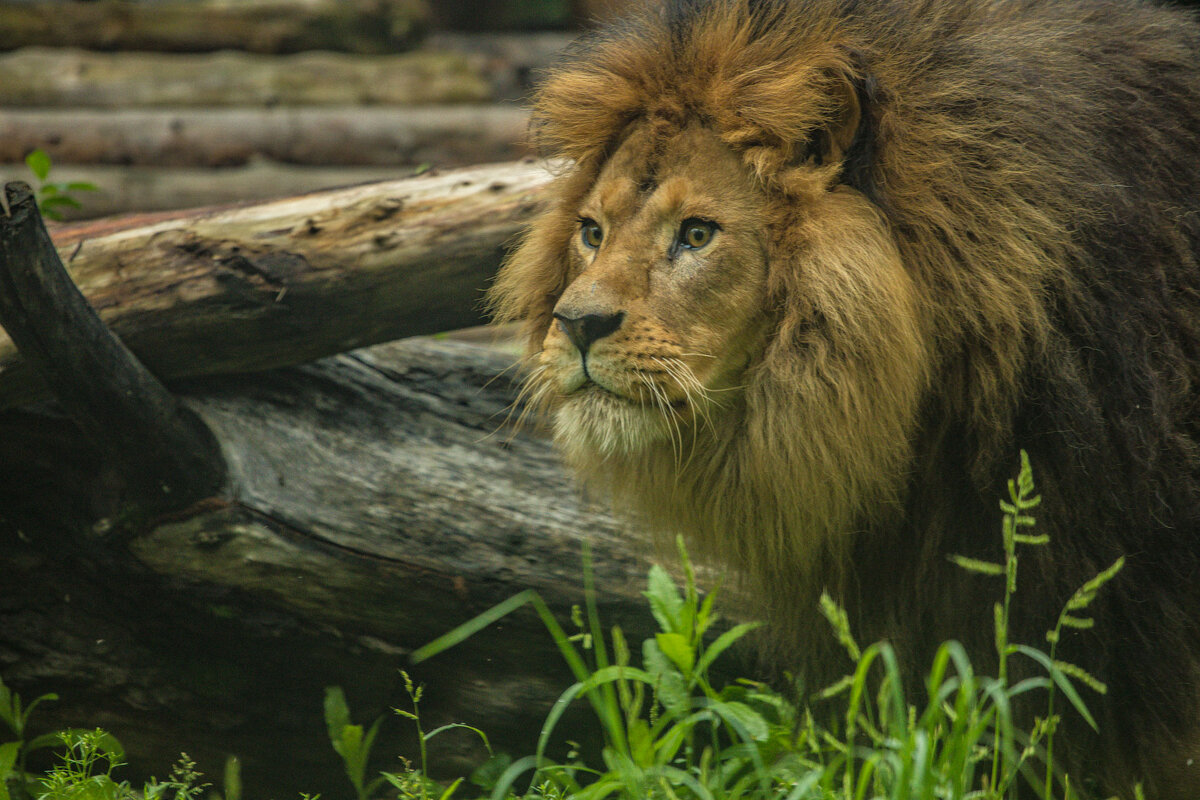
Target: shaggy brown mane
980	224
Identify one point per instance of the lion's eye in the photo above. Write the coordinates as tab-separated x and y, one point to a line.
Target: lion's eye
696	233
590	233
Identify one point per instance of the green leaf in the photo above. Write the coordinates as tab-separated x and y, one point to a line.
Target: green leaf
39	163
233	779
10	705
723	643
836	688
669	686
350	743
459	726
337	713
82	186
641	744
669	743
665	602
489	772
675	647
450	789
705	616
60	200
748	722
975	565
473	626
8	758
1062	681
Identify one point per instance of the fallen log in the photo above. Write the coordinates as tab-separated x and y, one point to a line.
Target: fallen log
367	503
227	137
373	503
140	190
284	282
260	26
37	77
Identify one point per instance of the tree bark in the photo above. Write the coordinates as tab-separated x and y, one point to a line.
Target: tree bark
263	26
165	455
260	286
374	501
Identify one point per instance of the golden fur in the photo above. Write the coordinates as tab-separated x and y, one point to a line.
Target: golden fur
909	242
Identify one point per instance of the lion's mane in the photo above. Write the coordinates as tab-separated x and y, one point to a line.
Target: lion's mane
1035	166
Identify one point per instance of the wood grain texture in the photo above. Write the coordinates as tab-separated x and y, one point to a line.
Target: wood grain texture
374	503
248	288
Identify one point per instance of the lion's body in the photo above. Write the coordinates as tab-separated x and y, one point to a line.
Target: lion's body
930	234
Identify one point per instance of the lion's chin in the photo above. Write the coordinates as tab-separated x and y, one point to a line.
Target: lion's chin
597	423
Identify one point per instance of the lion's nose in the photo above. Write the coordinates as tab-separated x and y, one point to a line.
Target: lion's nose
587	328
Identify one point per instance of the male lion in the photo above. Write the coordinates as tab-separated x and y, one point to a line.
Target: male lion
820	269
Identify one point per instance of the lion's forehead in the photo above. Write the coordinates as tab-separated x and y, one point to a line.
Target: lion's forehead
662	174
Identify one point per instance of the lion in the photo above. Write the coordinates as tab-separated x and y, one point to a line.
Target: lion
819	270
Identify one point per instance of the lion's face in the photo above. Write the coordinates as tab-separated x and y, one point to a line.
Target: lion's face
665	285
713	315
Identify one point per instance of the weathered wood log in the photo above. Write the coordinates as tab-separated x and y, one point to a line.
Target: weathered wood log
373	503
139	190
161	450
352	135
260	26
248	288
37	77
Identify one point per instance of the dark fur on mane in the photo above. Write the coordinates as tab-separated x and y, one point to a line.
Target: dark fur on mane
1037	163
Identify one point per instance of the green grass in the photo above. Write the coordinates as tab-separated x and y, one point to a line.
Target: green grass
669	732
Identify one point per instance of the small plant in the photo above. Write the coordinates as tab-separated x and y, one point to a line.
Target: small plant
411	783
53	196
417	782
15	782
351	742
86	772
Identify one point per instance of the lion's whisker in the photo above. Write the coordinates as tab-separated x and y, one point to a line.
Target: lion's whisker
664	407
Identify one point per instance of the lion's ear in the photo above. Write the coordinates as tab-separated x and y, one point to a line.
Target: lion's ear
847	137
831	142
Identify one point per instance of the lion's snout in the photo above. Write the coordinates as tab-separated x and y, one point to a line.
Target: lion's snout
582	330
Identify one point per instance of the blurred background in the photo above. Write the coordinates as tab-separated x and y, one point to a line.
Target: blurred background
166	104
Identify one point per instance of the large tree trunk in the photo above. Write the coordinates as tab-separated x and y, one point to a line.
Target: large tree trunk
364	504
